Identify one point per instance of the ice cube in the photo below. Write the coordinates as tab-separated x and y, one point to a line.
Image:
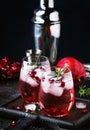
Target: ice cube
45	85
68	80
31	107
52	88
56	90
31	81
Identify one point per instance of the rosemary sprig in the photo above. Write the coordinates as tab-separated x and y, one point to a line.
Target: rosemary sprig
37	62
59	72
84	91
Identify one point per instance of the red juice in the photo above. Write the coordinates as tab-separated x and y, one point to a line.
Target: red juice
28	93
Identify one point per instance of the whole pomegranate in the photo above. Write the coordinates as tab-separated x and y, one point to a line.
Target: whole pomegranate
77	69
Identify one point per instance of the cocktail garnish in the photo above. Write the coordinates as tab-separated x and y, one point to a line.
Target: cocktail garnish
59	72
37	62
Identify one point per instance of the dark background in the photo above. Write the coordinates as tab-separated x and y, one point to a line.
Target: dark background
16	28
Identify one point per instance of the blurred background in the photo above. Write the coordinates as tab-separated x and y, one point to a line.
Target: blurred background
16	28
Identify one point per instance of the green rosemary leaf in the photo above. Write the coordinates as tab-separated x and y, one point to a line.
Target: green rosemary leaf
58	72
37	62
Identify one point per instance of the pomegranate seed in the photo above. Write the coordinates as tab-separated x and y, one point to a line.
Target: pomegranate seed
84	110
43	69
19	108
51	80
43	79
62	84
13	123
29	111
33	72
37	79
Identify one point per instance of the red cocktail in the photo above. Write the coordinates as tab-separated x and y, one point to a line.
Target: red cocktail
30	77
57	94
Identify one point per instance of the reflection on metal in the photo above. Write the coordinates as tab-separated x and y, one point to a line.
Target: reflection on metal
46	30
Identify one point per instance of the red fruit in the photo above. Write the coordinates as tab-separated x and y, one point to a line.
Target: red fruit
76	67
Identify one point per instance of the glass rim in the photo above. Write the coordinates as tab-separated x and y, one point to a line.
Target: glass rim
33	58
42	56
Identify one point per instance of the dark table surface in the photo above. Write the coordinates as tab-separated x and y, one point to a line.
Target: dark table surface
13	115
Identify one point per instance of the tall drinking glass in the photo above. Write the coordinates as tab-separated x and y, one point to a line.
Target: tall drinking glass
57	93
32	70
